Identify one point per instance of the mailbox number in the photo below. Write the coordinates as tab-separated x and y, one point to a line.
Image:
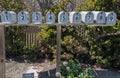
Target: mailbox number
89	17
6	15
22	17
111	17
37	16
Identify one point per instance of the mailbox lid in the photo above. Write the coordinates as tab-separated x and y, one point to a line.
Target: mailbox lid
87	17
37	17
63	17
23	17
99	17
111	18
50	18
75	17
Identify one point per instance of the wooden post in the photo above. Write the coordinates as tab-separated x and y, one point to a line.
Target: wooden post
58	54
2	52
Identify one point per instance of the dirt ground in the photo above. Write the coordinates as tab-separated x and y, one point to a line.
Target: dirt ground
46	70
20	69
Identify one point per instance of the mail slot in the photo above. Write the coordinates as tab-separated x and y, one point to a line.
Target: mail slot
37	18
75	17
63	17
99	17
87	17
50	18
8	17
111	18
23	17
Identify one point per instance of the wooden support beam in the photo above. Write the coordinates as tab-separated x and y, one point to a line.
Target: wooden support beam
58	54
2	52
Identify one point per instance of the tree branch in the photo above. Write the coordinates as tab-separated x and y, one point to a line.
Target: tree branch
117	34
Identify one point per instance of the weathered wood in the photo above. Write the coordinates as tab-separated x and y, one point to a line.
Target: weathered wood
58	54
2	52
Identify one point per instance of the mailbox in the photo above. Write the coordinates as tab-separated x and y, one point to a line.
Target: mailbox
63	17
75	17
111	18
37	18
87	17
50	18
23	17
99	17
8	17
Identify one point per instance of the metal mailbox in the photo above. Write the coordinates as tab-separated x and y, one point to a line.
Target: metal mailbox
63	17
50	18
87	17
75	17
37	18
8	17
99	17
23	17
111	18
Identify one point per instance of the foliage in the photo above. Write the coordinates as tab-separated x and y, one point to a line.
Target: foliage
14	5
75	70
47	36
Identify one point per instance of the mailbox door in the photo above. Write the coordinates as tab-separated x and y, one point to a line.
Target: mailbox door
77	18
89	18
50	18
6	17
63	18
111	18
101	18
37	17
23	17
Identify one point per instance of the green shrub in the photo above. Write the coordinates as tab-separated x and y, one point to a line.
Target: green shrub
73	69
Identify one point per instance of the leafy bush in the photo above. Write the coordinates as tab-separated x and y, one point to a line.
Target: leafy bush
73	69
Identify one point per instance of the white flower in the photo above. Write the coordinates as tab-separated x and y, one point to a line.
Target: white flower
68	68
65	63
58	74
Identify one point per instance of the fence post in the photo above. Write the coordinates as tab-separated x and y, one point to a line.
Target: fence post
2	52
58	54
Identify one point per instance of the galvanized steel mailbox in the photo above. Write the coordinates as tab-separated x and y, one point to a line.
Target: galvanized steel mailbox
8	17
99	17
87	17
63	17
23	17
111	18
37	18
75	17
50	18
